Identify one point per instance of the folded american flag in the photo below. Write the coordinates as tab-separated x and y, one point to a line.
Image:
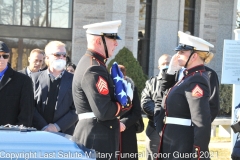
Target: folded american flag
120	88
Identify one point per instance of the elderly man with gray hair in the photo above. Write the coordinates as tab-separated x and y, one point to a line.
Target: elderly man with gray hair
55	111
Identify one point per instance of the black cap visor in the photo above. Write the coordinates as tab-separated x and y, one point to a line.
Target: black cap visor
184	47
112	36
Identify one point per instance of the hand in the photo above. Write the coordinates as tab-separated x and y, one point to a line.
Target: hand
51	128
173	66
122	127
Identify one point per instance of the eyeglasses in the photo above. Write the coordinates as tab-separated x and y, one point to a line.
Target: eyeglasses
5	56
59	54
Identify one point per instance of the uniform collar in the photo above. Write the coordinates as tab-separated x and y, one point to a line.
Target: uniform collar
192	70
97	55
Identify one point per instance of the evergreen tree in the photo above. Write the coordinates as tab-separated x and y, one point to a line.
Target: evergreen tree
225	99
134	70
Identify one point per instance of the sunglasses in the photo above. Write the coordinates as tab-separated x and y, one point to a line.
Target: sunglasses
5	56
59	54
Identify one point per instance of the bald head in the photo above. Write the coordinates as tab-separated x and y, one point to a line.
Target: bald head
164	61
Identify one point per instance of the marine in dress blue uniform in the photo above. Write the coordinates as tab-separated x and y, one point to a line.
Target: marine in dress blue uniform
187	122
93	94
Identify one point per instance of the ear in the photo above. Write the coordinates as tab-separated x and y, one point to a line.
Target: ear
98	40
28	59
195	56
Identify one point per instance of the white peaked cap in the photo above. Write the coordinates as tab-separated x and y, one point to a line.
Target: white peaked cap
103	27
196	42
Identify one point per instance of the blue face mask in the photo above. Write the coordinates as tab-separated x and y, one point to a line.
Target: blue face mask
165	67
162	68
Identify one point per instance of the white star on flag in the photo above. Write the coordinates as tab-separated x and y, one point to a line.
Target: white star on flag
118	78
122	93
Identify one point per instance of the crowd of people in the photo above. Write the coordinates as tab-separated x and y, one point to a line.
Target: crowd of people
180	102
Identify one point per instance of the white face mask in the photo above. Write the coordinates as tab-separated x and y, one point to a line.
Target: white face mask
59	64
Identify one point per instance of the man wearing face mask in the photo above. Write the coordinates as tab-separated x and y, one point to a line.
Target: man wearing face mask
149	94
55	110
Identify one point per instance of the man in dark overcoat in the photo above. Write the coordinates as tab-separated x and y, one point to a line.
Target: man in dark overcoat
16	93
93	93
54	107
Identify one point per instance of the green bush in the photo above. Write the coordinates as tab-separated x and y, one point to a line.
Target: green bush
225	99
133	68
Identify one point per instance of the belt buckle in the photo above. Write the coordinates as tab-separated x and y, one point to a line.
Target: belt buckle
164	120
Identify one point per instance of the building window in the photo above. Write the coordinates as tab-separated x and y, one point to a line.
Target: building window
58	14
39	13
144	33
10	12
189	16
34	13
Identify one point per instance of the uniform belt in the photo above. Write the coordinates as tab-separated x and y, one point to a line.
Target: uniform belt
86	115
178	121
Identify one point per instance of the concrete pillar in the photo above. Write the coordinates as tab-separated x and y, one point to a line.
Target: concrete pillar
84	12
214	23
132	19
116	10
93	11
167	19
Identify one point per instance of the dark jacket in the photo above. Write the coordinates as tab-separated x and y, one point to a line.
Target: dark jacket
16	94
236	149
149	94
128	136
93	91
64	115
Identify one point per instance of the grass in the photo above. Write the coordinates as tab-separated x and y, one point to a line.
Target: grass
218	153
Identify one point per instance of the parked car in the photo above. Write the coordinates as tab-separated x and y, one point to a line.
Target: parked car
18	142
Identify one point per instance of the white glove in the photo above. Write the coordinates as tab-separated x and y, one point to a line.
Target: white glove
129	91
173	66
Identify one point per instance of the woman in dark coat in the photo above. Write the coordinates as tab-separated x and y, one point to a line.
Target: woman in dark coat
128	145
187	129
